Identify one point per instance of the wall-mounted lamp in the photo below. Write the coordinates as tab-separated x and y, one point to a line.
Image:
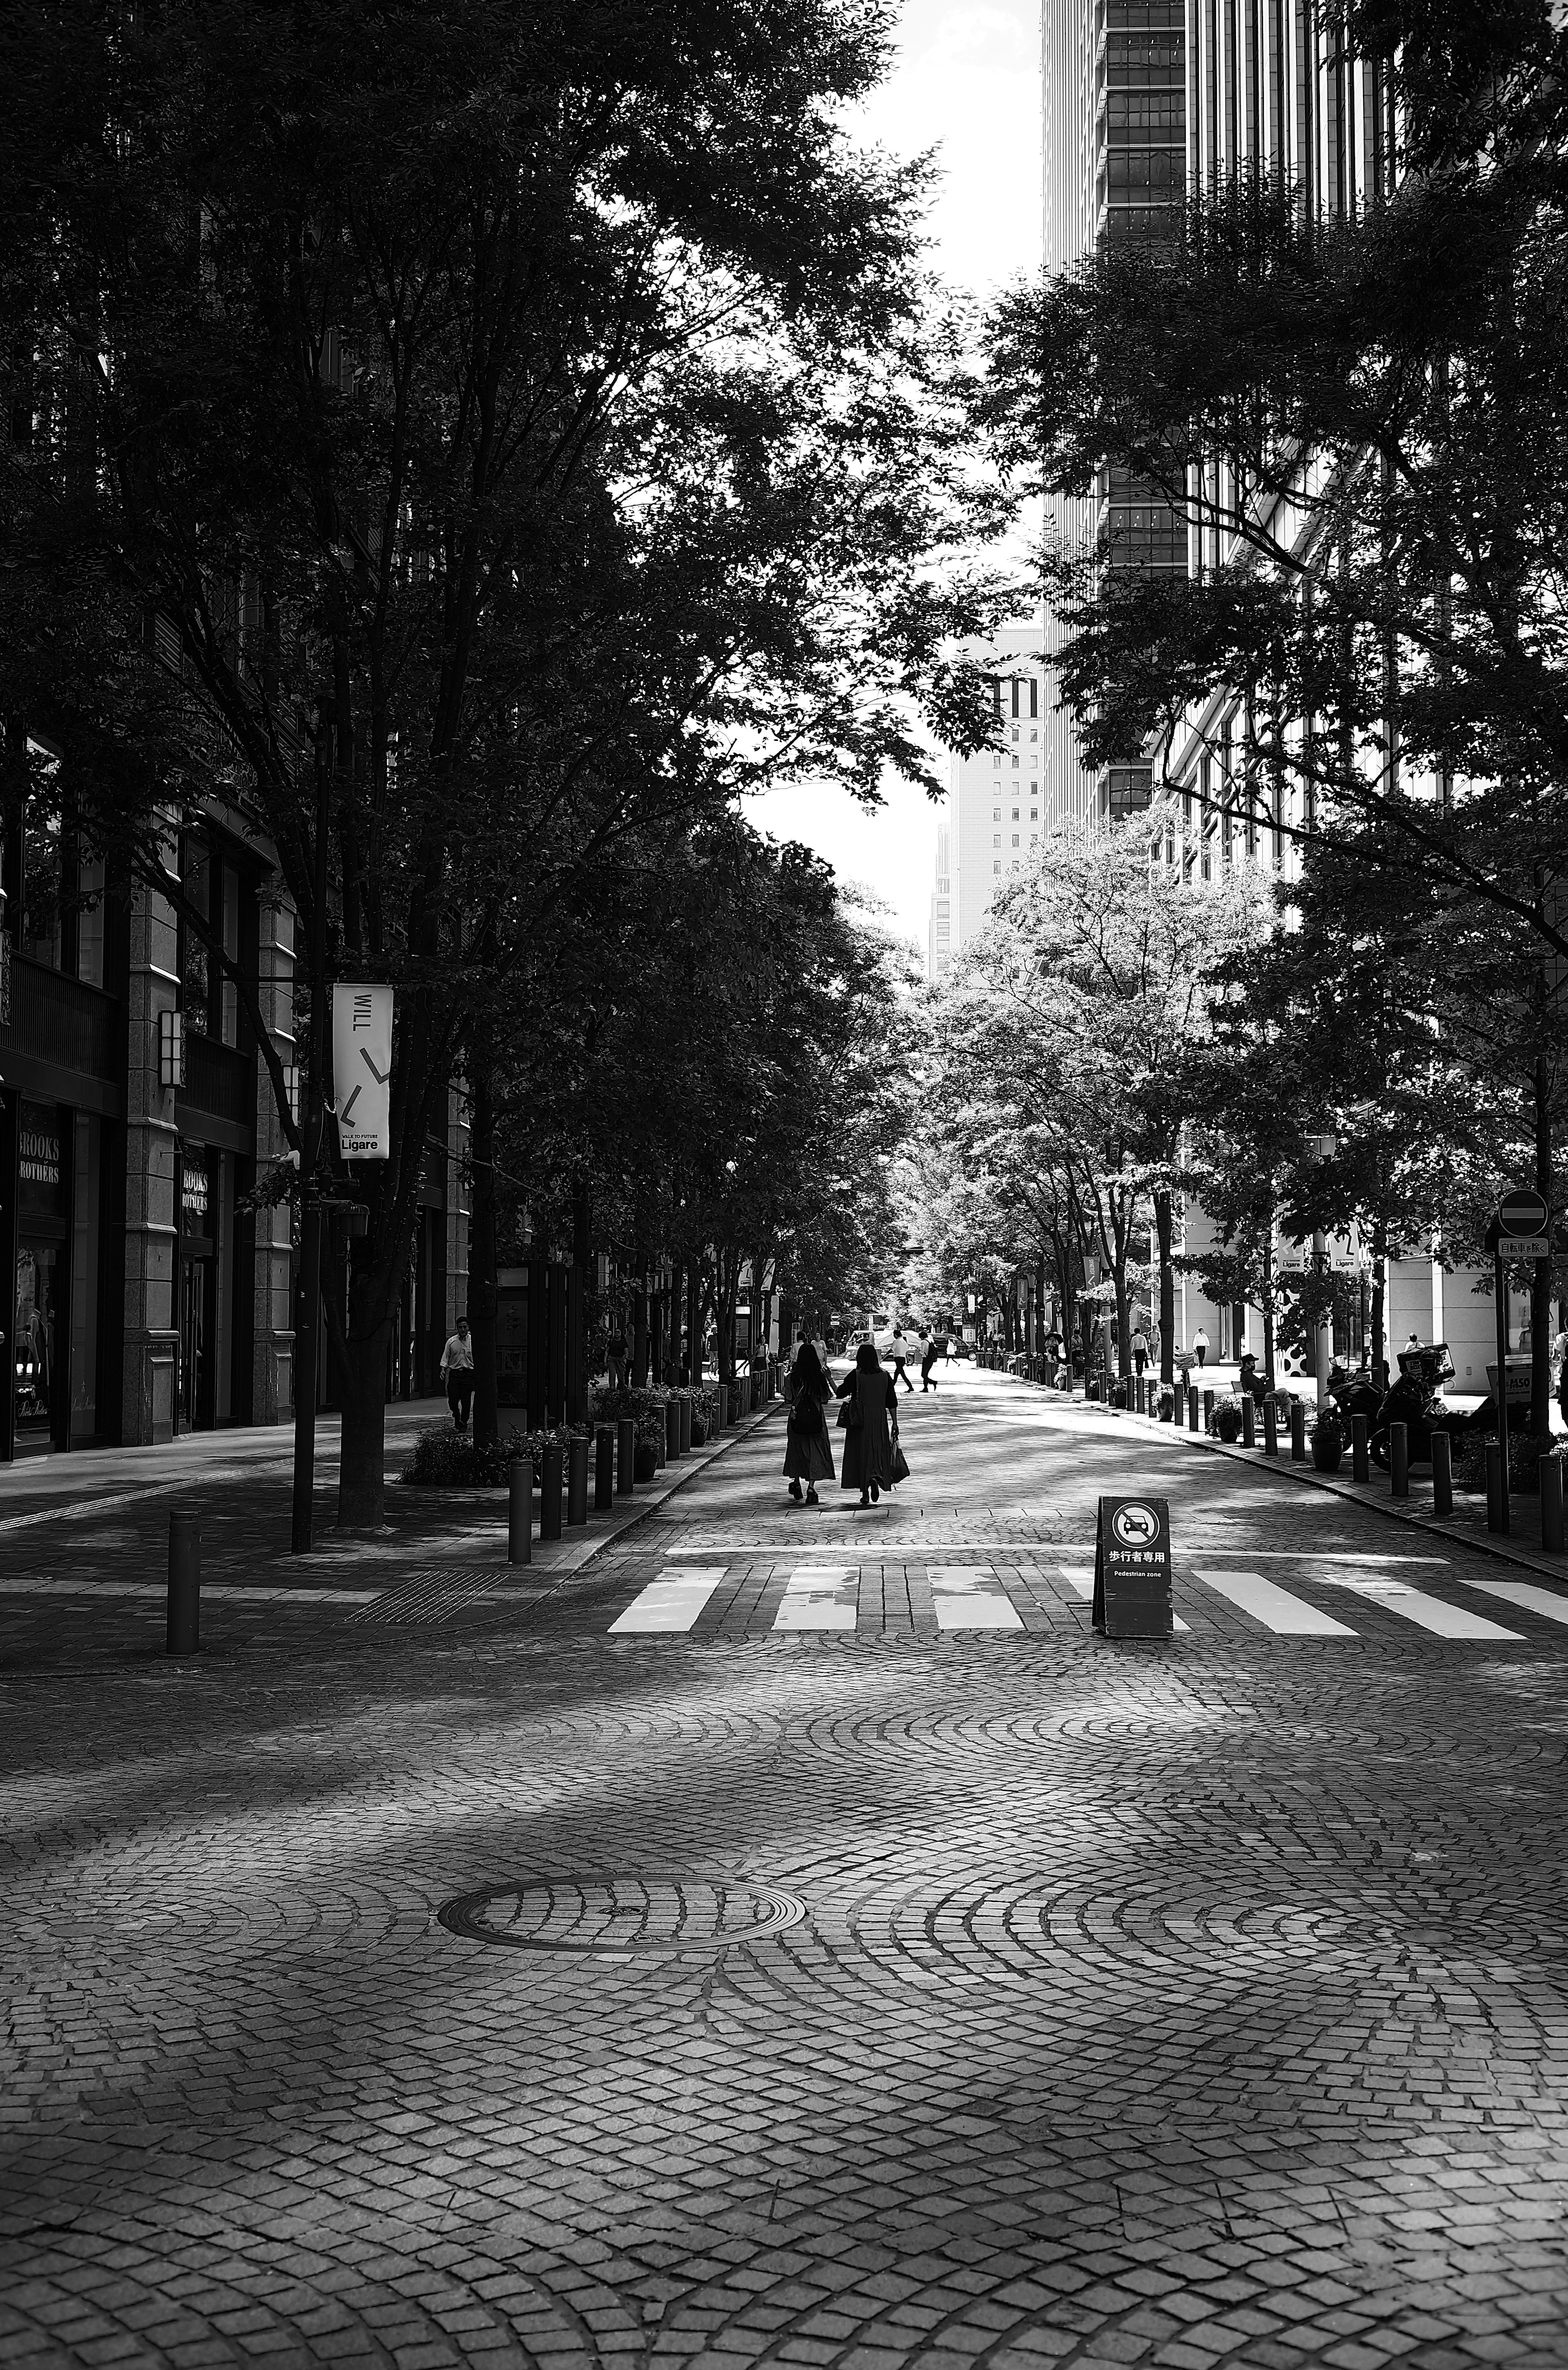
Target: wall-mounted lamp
171	1049
290	1089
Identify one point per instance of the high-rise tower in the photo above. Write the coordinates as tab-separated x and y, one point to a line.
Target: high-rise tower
1113	141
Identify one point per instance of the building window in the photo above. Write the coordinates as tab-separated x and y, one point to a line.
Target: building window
996	839
1015	764
996	814
1015	839
1033	814
997	866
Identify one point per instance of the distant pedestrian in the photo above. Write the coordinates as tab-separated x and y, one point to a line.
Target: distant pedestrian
807	1453
1200	1347
935	1345
898	1350
457	1372
870	1418
1140	1351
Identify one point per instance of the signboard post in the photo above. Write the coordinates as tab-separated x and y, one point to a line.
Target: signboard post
1520	1228
1132	1567
362	1069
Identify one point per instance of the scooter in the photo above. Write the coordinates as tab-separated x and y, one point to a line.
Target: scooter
1414	1401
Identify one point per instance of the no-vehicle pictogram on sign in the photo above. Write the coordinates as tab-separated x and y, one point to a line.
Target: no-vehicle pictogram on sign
1132	1567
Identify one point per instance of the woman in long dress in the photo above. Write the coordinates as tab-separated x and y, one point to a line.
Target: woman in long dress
872	1427
808	1454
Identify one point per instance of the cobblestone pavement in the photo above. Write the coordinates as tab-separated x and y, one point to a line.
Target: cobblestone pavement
847	1958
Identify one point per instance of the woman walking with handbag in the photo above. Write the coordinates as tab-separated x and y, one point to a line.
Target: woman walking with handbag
807	1453
870	1418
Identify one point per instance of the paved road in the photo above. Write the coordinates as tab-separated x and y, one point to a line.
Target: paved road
848	1958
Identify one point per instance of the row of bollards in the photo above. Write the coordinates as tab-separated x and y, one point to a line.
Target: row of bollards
615	1475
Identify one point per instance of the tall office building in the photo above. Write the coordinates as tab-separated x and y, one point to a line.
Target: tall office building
1005	799
938	929
1114	140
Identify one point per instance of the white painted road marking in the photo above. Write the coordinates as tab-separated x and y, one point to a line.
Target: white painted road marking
969	1596
1286	1615
1429	1613
1530	1599
667	1607
819	1596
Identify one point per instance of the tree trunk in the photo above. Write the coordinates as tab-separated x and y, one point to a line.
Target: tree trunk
1268	1300
1541	1283
483	1294
361	1472
1165	1232
638	1376
1379	1299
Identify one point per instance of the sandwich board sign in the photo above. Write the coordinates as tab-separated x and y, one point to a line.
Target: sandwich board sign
1132	1567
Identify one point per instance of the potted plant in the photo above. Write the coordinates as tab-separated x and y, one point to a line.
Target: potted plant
1228	1417
1327	1437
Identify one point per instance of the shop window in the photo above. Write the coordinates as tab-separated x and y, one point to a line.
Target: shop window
41	934
38	1347
84	1187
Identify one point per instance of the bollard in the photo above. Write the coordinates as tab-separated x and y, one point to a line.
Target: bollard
1298	1433
1442	1474
1141	1395
1270	1426
686	1423
1248	1421
721	1416
520	1510
1361	1448
604	1469
659	1450
1192	1407
1496	1494
671	1429
577	1481
626	1455
1208	1410
183	1634
549	1491
1399	1459
1551	1504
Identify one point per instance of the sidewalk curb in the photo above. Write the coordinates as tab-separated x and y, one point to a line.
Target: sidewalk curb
582	1551
1484	1543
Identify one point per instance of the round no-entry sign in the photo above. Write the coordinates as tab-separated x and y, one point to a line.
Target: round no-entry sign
1523	1212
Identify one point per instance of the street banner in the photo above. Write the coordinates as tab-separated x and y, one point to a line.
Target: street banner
362	1069
1132	1567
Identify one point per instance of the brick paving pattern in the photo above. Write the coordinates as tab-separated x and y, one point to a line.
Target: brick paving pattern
881	1993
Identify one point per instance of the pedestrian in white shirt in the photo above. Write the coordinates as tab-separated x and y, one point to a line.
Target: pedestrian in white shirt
457	1372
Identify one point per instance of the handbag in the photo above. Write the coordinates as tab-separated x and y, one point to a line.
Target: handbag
850	1417
900	1463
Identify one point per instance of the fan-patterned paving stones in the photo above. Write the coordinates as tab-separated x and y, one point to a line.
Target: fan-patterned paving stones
1181	2005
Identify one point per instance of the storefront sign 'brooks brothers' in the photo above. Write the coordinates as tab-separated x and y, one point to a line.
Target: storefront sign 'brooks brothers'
1132	1567
362	1069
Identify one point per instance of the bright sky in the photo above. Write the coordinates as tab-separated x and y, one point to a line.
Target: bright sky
967	84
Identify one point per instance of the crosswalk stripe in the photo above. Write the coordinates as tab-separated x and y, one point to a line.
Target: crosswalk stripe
969	1596
667	1607
1080	1576
819	1596
1530	1599
1429	1613
1286	1615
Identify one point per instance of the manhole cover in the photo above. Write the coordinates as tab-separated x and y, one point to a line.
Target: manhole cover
615	1913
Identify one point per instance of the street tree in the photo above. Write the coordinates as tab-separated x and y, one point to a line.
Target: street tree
427	443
